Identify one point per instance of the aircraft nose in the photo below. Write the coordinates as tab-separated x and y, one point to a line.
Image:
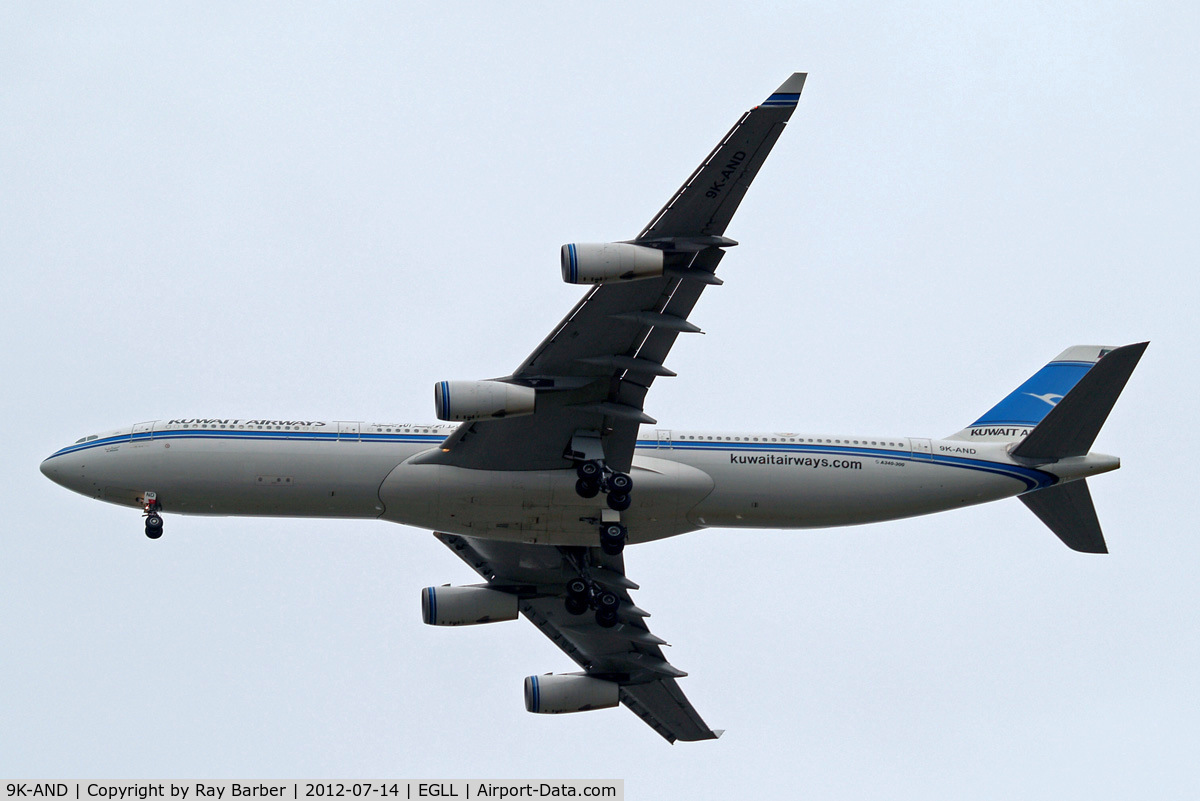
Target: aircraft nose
50	469
65	473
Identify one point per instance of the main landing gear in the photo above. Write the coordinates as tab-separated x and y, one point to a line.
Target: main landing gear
154	521
594	476
584	593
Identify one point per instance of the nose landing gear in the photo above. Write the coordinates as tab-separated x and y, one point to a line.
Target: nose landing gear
154	521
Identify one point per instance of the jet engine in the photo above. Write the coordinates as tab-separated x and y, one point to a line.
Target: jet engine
466	606
616	261
573	692
464	401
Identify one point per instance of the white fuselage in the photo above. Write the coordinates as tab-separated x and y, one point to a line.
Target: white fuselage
682	480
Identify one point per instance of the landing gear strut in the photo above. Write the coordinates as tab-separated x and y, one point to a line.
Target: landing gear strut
154	521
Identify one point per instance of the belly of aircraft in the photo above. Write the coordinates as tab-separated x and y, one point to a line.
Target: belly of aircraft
539	506
218	477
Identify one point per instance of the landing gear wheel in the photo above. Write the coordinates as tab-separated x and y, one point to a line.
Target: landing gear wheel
612	538
586	488
576	605
154	532
618	501
591	471
577	588
620	482
607	600
606	618
153	521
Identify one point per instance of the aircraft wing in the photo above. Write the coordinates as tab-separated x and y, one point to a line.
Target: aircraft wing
626	653
594	369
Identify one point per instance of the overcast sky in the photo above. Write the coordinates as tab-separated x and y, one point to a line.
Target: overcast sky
316	212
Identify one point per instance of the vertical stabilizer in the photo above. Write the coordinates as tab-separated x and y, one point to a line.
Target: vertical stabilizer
1026	406
1070	428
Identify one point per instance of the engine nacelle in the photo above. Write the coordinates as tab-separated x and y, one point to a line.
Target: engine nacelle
466	606
614	261
573	692
464	401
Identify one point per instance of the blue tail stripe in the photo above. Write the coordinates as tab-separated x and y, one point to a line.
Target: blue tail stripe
1033	400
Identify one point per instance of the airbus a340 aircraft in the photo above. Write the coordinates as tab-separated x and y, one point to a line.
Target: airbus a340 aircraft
551	470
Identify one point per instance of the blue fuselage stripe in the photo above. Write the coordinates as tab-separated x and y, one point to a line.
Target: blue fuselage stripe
1031	477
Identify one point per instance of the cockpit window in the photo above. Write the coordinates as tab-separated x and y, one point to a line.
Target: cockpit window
81	439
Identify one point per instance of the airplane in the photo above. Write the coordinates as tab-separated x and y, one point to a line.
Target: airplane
539	479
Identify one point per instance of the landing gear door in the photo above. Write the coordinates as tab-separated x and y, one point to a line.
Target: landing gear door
348	432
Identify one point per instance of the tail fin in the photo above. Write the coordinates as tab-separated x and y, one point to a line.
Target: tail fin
1027	405
1070	428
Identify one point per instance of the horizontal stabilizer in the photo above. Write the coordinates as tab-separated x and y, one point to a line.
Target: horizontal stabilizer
1068	511
1070	428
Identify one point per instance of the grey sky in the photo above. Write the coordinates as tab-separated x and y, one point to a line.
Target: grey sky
317	212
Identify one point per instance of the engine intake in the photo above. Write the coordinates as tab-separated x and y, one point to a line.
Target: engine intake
466	606
572	692
615	261
464	401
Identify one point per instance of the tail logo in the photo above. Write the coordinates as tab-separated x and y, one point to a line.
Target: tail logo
1050	397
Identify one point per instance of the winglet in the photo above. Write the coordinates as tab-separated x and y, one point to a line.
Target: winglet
788	94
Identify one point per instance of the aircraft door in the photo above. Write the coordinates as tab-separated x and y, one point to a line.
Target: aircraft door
348	432
921	448
144	430
664	438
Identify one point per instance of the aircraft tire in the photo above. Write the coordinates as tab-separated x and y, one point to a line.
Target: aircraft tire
154	521
590	470
612	547
587	488
618	501
606	618
576	605
620	482
154	532
577	587
608	600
